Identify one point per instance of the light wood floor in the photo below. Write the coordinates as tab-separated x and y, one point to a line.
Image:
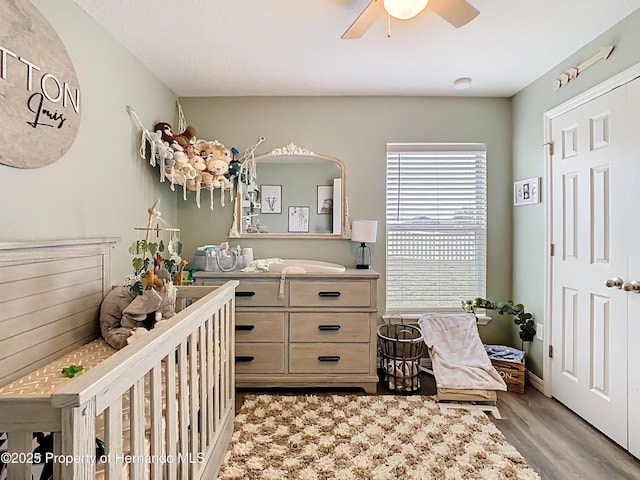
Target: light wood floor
558	444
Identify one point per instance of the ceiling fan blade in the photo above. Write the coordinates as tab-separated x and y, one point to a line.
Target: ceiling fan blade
371	12
456	12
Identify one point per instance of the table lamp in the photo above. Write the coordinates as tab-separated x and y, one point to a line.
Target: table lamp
363	231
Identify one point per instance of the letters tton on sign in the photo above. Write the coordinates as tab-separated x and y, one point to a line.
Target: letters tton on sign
40	110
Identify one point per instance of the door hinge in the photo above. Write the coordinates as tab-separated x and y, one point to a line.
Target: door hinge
550	351
552	250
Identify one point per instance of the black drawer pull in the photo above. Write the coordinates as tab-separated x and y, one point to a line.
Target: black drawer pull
328	327
245	358
329	294
245	294
245	327
329	358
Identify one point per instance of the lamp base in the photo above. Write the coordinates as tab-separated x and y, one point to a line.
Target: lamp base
363	256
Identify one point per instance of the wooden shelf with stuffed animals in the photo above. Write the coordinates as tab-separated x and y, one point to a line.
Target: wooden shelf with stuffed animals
192	163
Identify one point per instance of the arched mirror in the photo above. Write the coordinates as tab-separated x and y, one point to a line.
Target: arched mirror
294	193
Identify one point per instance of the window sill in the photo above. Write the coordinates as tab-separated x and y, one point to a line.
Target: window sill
412	318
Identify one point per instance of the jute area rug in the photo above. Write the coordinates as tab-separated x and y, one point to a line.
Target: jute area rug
381	437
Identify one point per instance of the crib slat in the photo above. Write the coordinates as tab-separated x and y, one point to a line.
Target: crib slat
226	365
136	413
211	389
113	437
78	424
217	353
19	442
156	421
230	355
57	450
171	415
194	397
202	368
183	405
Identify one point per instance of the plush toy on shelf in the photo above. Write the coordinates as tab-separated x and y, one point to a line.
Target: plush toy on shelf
179	141
193	163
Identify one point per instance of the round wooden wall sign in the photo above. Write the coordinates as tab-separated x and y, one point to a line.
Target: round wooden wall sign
39	90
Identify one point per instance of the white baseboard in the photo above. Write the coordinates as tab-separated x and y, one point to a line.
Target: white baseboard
534	380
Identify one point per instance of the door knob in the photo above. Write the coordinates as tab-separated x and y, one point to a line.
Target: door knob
615	282
632	286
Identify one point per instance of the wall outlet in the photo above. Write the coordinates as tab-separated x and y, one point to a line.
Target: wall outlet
540	331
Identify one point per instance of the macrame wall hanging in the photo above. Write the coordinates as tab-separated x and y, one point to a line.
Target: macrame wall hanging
193	163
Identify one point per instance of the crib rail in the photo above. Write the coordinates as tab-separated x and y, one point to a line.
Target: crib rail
184	371
161	405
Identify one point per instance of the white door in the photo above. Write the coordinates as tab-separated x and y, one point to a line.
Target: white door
633	298
592	168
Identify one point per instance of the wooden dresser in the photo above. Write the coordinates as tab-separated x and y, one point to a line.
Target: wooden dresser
306	330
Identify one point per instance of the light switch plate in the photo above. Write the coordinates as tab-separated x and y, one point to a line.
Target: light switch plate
540	331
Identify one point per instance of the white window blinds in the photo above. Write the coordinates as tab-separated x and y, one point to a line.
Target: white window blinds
436	225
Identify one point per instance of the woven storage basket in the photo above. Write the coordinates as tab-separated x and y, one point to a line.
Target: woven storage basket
400	350
512	373
511	370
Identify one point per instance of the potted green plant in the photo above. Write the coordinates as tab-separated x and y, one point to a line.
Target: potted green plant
522	318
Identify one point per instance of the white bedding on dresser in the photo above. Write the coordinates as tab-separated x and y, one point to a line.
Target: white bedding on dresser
458	356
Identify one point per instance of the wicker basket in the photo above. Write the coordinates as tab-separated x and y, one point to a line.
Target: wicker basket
400	350
511	371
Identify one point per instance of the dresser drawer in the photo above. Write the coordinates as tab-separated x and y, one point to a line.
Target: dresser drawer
260	327
328	294
251	293
329	358
259	357
328	327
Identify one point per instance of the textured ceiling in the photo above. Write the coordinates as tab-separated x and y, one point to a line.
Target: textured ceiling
293	47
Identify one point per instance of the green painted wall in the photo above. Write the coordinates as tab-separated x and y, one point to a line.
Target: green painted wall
529	106
100	187
356	130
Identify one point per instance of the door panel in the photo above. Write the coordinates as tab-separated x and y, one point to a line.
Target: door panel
634	274
589	176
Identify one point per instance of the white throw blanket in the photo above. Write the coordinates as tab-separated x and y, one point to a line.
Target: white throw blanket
457	354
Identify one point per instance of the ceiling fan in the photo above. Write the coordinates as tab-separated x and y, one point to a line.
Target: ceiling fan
456	12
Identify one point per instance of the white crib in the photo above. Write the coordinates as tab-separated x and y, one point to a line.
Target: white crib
164	405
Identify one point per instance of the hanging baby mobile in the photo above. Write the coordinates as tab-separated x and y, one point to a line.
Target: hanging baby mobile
193	163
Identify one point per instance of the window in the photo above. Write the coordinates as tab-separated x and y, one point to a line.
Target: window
436	225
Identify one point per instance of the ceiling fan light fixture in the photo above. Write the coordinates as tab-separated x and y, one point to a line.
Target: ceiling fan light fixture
404	9
462	83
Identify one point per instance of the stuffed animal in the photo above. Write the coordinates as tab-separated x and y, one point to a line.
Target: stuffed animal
181	172
122	311
219	168
151	281
212	151
234	166
179	140
160	151
177	277
217	158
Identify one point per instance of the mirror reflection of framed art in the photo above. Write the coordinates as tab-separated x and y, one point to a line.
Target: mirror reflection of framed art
299	219
325	200
271	199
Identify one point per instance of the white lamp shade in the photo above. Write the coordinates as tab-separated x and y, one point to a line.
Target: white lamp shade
364	231
404	9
